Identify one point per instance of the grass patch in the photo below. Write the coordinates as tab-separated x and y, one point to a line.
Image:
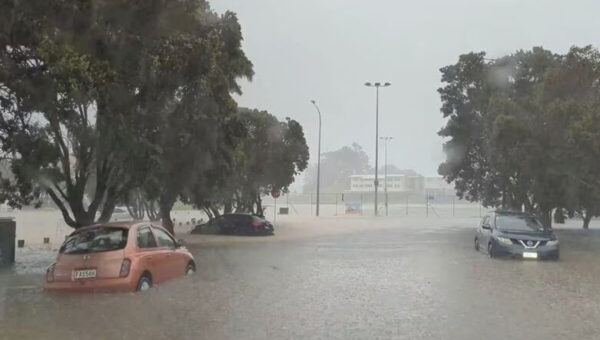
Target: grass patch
180	206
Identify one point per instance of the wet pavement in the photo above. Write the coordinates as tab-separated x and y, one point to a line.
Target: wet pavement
399	281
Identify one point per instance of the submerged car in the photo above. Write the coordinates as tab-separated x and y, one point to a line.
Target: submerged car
516	234
237	224
120	256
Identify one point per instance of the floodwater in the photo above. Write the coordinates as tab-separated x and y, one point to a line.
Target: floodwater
380	278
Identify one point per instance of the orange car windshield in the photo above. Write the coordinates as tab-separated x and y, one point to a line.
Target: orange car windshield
95	240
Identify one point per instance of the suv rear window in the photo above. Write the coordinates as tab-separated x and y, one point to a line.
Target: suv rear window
95	240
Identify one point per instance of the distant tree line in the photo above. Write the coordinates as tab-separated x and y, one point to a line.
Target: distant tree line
523	131
336	168
108	102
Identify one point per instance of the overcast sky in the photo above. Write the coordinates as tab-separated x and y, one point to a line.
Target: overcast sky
327	49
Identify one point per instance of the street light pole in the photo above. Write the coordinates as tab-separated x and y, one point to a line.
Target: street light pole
377	86
385	186
318	159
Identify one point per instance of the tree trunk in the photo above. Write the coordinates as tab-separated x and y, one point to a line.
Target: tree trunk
259	207
559	216
245	203
546	218
215	211
151	211
63	209
136	204
166	205
167	222
587	218
208	213
107	210
528	206
228	206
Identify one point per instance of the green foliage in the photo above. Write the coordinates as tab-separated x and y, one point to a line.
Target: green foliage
101	97
267	158
516	130
258	155
52	87
188	104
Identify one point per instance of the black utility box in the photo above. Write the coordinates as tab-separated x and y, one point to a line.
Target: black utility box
7	241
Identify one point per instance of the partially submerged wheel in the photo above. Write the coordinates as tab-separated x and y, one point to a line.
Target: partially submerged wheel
144	283
491	250
190	269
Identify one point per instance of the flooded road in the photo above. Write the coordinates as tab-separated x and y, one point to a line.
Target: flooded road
398	281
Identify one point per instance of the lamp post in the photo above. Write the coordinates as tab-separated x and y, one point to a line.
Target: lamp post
385	186
377	86
318	158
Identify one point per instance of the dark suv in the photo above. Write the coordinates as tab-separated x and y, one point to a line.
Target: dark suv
516	234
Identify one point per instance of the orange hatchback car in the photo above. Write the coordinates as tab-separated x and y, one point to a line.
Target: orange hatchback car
124	256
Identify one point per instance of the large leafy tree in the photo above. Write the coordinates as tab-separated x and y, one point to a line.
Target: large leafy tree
101	97
464	99
61	124
514	125
267	158
258	154
574	89
187	138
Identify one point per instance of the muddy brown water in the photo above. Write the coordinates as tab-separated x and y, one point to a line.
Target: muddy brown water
401	279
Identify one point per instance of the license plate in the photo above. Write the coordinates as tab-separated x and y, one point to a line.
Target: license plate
84	274
530	255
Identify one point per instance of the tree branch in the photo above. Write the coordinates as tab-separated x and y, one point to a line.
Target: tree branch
59	203
65	158
61	192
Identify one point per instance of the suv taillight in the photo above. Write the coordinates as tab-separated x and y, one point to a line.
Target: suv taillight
256	224
125	267
50	273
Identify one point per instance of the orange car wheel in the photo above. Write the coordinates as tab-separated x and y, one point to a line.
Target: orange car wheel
144	283
190	269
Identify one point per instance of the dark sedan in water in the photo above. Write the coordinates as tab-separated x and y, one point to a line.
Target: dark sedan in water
516	234
236	224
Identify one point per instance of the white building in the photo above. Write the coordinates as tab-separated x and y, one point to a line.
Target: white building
395	183
403	183
439	187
